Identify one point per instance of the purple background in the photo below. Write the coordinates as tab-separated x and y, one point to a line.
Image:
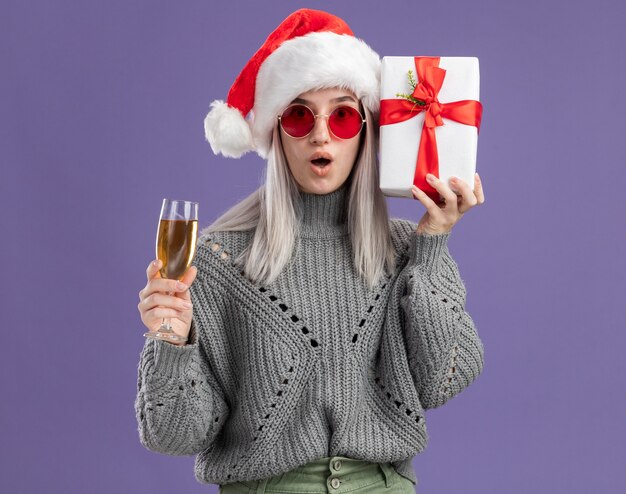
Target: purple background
102	106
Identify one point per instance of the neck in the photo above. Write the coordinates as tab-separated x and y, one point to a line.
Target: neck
324	216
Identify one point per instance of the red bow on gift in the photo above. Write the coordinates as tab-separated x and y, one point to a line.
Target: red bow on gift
468	112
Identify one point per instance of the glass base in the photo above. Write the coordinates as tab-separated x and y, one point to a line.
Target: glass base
166	335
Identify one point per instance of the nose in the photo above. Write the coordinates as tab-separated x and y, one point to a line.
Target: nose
320	133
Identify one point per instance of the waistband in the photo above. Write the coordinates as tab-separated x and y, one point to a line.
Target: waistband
333	474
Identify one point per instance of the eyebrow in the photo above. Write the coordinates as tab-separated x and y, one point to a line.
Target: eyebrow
335	100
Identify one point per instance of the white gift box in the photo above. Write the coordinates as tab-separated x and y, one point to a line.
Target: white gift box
399	142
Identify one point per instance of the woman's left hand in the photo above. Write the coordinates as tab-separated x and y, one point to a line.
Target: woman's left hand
440	218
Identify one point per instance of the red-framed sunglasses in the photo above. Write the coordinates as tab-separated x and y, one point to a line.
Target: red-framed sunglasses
298	121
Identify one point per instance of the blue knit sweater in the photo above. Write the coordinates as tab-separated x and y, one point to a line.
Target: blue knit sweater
315	364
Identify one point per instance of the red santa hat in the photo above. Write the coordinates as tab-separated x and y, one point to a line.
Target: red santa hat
310	49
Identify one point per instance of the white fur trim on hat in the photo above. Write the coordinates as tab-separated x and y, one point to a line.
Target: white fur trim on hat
227	130
316	60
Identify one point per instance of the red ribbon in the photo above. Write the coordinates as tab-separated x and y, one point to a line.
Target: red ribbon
468	112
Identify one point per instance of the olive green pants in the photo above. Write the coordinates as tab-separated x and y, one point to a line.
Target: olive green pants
330	475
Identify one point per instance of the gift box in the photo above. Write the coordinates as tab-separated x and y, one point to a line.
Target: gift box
429	120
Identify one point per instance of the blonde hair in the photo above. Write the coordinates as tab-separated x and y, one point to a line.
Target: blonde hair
272	212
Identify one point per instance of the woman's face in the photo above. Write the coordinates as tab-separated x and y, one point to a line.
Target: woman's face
300	152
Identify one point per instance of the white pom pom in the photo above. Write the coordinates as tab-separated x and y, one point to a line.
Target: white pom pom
227	131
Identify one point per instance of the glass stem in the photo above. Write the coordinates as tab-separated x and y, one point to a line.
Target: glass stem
165	324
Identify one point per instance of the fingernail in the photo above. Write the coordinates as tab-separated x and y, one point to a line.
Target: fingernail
430	177
477	175
181	286
155	263
187	305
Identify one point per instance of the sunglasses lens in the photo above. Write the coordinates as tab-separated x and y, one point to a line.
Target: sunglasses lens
297	120
345	122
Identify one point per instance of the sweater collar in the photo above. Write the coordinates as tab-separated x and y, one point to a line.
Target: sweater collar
324	216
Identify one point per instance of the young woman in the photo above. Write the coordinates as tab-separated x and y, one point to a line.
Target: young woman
318	329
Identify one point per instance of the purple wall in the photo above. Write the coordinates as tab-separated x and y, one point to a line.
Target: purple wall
102	106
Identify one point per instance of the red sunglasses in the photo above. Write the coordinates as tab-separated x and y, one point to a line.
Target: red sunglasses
298	121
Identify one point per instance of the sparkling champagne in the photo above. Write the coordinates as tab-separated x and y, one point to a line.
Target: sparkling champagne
176	246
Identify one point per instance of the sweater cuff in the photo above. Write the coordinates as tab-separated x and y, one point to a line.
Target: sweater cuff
172	360
427	251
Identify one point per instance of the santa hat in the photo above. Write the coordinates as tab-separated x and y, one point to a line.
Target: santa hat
309	50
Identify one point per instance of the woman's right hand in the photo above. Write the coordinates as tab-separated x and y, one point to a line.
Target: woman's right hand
155	303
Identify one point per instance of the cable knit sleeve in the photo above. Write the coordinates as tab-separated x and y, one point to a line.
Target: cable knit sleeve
445	352
179	407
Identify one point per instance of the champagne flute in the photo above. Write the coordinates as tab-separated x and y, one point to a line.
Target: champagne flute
175	247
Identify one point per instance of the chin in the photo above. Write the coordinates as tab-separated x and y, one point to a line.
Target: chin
320	188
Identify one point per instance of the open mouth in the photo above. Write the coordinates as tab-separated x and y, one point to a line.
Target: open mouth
321	166
320	162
